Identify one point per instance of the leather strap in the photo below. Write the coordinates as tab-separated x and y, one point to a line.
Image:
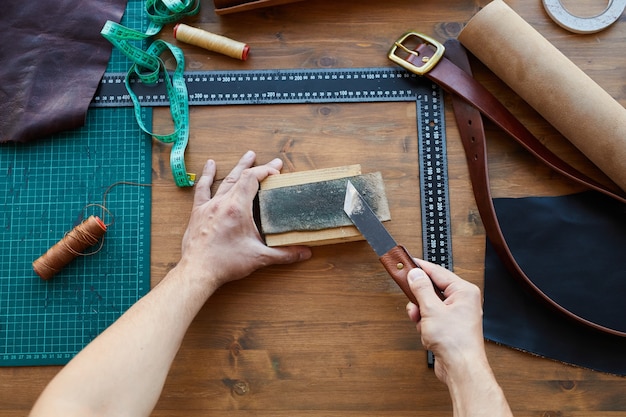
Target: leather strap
470	101
459	83
233	6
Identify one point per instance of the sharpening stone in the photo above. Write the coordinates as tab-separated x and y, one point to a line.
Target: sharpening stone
318	205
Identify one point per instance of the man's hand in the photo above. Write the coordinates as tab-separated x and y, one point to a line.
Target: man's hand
452	329
221	242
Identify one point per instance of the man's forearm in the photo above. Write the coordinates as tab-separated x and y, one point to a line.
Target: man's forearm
475	392
123	370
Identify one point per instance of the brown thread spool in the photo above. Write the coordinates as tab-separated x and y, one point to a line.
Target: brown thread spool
211	41
72	245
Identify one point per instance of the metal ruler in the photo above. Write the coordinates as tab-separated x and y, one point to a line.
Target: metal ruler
434	189
274	86
299	86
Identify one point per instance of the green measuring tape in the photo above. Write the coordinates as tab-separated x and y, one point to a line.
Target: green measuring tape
148	67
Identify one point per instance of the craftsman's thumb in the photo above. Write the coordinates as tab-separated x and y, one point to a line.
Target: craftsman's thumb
421	286
416	275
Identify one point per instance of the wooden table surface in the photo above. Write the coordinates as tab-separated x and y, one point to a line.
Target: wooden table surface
330	336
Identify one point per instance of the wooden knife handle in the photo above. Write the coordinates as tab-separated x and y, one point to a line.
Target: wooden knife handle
398	262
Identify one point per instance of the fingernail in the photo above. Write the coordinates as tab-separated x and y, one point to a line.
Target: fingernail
415	274
208	166
306	254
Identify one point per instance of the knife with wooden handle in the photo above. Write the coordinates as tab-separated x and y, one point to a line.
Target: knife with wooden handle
395	258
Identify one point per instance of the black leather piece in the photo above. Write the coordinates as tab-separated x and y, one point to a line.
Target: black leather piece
573	247
53	57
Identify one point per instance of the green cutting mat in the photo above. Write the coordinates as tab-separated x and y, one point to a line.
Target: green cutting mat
44	187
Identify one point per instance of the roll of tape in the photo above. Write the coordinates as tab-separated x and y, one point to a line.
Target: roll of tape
577	24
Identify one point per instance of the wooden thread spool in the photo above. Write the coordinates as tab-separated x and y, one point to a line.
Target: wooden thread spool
72	245
211	41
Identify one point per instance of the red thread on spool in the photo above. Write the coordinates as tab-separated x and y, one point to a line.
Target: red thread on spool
86	234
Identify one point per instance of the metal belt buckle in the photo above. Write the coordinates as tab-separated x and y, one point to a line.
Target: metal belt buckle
428	62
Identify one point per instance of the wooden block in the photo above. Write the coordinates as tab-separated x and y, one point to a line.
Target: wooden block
303	177
306	208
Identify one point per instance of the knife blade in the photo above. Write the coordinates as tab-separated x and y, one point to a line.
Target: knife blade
395	258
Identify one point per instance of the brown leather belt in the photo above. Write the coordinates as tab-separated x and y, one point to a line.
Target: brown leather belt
449	67
233	6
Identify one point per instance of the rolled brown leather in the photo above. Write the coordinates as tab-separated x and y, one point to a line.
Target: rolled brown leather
552	84
234	6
